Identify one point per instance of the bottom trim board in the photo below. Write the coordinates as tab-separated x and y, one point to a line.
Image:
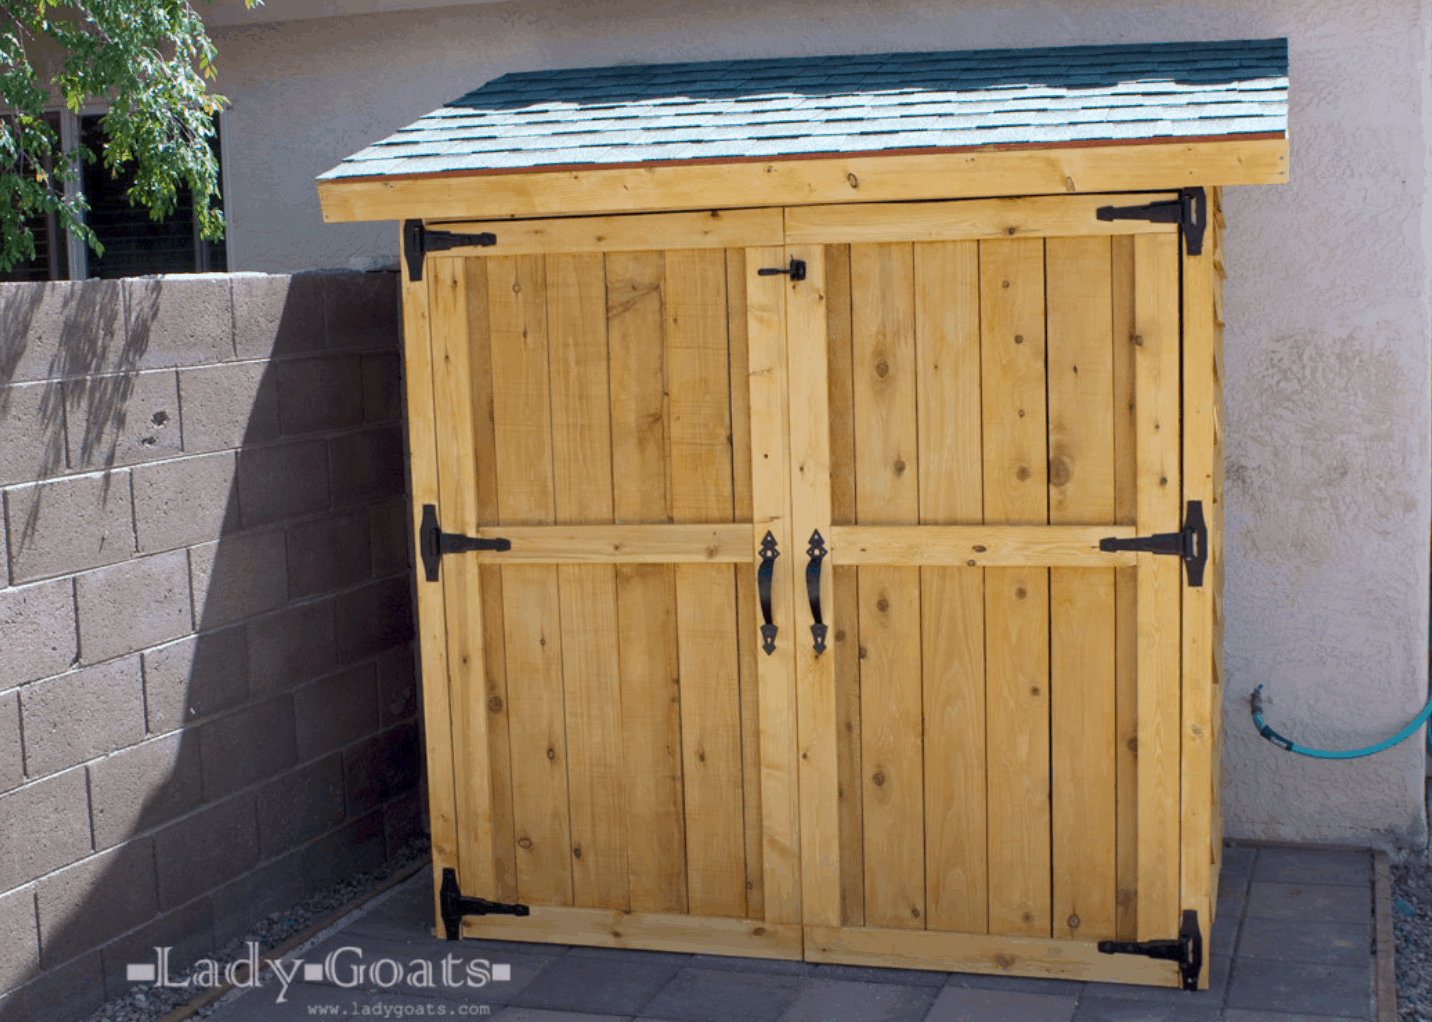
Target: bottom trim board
597	927
983	953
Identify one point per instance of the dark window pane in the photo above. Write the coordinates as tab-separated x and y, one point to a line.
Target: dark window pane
133	243
51	260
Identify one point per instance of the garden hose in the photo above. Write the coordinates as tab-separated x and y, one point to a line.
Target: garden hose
1277	739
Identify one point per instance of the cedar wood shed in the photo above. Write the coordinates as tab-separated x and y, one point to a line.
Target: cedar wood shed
816	472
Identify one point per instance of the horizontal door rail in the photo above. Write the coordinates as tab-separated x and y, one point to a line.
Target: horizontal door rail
620	544
1059	216
732	228
980	546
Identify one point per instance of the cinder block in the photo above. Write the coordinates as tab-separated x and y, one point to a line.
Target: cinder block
299	806
228	406
190	500
238	577
187	931
382	387
291	647
60	995
12	766
283	481
336	711
355	848
19	938
374	618
397	685
278	315
327	554
46	826
122	419
391	544
402	823
381	768
322	392
133	605
205	849
247	745
92	901
179	320
83	714
69	525
38	623
362	310
32	431
142	787
366	467
274	887
195	677
62	329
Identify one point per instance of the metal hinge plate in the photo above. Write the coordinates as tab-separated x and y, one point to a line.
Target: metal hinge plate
433	543
1190	543
419	240
454	906
1187	950
1189	211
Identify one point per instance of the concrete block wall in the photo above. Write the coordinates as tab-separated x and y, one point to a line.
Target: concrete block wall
207	694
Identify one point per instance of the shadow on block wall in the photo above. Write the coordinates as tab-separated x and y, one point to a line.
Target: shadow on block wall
208	670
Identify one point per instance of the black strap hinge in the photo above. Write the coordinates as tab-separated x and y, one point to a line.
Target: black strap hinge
797	270
1190	543
1189	211
418	241
433	543
1187	950
454	906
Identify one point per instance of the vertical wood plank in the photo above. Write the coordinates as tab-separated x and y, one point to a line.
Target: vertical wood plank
1160	580
884	374
843	645
582	471
1198	853
646	594
701	491
1080	347
810	483
432	623
747	623
1125	595
947	331
522	428
504	861
1016	599
769	395
461	580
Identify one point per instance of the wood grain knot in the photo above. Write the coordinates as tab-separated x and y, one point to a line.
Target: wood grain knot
1060	471
882	605
979	548
877	779
551	753
1073	922
1022	473
494	704
524	843
882	369
1004	961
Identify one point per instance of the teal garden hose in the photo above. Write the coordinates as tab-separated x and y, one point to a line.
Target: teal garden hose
1267	732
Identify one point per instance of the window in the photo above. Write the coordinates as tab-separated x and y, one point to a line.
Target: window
133	243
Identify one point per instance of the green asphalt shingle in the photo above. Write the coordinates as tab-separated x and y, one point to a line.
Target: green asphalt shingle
724	110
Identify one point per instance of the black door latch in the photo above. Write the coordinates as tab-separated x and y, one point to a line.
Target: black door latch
433	543
797	270
1190	543
454	906
1187	950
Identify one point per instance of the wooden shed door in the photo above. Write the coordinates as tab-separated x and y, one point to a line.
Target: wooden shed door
627	770
989	747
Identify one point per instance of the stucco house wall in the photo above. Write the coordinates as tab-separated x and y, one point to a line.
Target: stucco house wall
1327	305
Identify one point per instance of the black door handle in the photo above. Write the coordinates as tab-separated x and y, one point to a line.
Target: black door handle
817	552
769	553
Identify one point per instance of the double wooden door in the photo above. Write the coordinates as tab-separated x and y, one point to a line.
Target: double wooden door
703	434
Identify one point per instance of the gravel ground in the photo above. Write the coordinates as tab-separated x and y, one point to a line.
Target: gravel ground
1412	924
148	1004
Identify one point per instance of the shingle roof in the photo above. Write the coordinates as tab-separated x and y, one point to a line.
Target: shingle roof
872	103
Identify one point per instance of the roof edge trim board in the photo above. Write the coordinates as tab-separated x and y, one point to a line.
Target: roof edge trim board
809	179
